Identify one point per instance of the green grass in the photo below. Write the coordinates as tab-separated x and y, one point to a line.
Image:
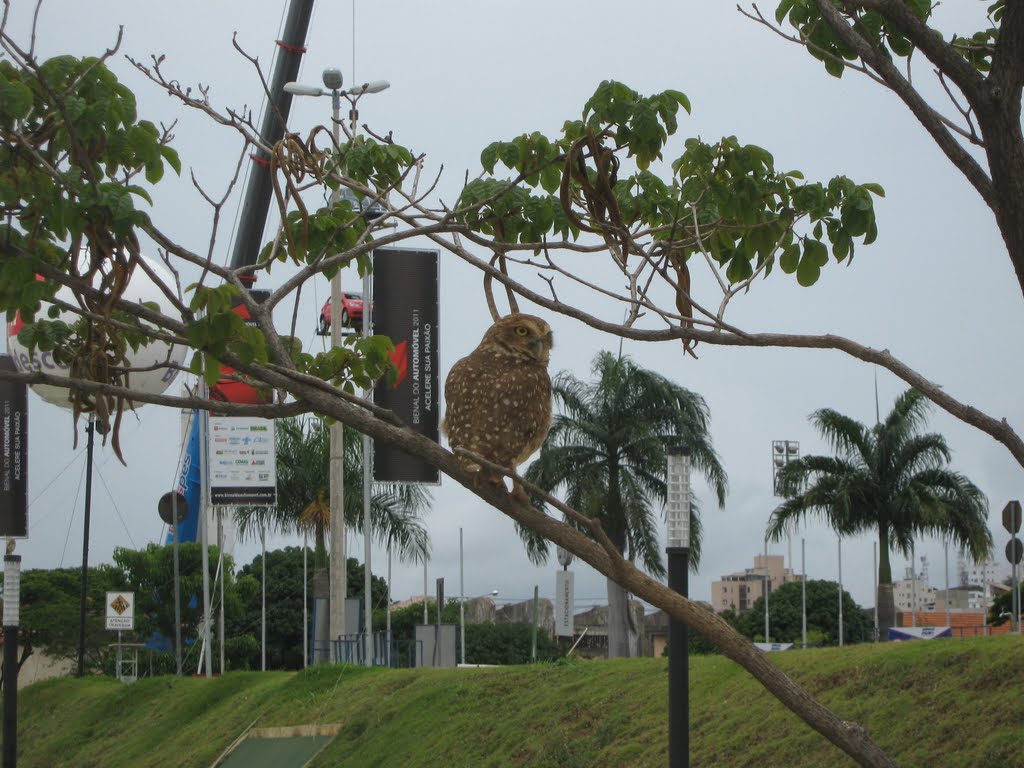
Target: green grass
956	703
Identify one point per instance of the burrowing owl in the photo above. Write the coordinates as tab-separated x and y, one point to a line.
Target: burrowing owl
499	396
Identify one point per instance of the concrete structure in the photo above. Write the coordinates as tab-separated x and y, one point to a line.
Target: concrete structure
965	598
739	591
973	572
656	631
964	624
913	593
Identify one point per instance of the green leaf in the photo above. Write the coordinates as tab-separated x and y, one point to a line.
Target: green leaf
489	157
15	100
680	98
171	156
808	272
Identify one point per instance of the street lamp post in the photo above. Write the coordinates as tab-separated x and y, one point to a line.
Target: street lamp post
333	80
677	514
783	452
12	613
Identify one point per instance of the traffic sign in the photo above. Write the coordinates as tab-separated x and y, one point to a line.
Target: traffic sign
1011	516
165	507
1014	550
120	610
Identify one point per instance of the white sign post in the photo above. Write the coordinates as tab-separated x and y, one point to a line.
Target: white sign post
120	617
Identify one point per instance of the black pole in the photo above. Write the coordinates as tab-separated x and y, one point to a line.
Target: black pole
89	430
12	590
678	665
258	191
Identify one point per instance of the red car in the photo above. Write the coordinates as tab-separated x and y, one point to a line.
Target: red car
351	312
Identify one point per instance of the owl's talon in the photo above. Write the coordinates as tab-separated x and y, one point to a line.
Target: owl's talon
519	494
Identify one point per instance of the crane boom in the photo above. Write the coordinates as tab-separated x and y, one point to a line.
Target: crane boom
255	204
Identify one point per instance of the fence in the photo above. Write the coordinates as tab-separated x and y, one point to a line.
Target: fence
385	651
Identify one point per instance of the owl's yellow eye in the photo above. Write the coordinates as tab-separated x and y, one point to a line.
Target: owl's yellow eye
522	330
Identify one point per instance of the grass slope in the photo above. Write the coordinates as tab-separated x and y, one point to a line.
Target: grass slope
930	704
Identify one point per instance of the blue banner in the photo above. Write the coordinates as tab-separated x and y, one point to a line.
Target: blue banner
190	486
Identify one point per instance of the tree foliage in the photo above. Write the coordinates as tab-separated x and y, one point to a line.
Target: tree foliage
606	452
303	491
50	609
785	617
76	164
486	643
892	480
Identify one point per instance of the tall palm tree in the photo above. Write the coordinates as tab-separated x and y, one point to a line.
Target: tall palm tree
606	452
303	493
891	479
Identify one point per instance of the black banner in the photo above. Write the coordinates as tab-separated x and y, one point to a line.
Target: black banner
405	309
13	454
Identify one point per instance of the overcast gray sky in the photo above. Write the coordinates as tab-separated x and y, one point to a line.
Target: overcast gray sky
937	288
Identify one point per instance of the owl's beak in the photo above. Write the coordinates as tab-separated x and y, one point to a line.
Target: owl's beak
541	349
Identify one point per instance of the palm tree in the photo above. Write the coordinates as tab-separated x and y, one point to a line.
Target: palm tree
607	453
303	493
891	479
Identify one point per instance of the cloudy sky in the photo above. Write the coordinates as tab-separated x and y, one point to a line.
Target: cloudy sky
937	288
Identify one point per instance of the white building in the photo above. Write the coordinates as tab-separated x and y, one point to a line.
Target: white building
913	593
988	572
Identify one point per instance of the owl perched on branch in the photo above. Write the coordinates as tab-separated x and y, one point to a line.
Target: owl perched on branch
499	396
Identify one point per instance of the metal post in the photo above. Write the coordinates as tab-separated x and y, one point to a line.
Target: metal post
678	511
1015	600
946	567
426	619
305	599
263	605
874	570
204	534
387	628
462	604
803	590
839	545
220	570
177	586
367	479
12	607
338	557
913	587
90	430
536	619
767	589
678	665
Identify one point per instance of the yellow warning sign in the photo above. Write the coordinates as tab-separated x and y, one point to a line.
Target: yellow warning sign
120	605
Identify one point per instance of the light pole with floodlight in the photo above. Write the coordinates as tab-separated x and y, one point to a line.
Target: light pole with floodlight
333	80
783	452
677	518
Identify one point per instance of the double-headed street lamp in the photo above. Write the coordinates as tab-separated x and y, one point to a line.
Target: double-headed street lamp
677	517
333	81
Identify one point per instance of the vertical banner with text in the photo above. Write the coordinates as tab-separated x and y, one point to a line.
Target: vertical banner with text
565	601
405	309
13	454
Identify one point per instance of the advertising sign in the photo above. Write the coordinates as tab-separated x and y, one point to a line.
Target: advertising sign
243	463
120	611
13	455
405	309
919	633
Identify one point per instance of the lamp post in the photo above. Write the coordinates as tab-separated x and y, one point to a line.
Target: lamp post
783	452
333	80
12	607
677	515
